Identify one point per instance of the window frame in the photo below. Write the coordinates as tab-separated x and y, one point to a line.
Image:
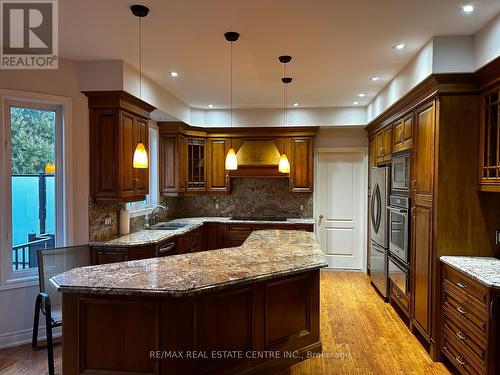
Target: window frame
142	208
64	186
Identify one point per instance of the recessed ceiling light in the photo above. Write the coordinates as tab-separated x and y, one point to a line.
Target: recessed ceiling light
355	103
468	8
376	78
399	46
174	74
295	104
362	94
210	106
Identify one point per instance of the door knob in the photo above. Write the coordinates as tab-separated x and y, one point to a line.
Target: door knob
320	219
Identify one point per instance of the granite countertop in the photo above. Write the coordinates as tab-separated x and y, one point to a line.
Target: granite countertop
265	254
153	237
484	269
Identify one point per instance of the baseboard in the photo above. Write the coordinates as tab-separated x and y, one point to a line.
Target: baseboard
16	338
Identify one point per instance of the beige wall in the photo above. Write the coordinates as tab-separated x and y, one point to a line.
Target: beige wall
16	305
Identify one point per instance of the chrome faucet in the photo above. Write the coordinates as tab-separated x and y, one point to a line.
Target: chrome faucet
151	217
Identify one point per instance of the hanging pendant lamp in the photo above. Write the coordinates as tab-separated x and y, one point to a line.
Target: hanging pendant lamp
140	159
284	164
231	161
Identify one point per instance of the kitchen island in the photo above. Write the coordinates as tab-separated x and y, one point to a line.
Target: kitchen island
252	309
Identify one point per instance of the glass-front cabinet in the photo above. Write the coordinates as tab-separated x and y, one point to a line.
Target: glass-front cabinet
195	164
490	141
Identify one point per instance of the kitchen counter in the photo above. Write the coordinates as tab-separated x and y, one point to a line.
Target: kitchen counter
261	296
484	269
153	237
265	254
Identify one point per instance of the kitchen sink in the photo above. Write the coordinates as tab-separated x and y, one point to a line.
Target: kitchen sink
167	226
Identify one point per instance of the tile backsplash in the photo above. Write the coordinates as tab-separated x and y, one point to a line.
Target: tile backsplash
249	197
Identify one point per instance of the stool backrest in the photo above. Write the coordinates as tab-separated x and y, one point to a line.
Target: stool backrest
54	261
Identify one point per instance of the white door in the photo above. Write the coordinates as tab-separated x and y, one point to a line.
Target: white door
340	208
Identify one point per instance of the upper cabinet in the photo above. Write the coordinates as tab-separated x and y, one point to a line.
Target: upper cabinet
402	134
192	160
118	122
301	165
489	158
383	141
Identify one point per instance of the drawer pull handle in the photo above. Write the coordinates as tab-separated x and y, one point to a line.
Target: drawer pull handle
461	310
461	286
461	336
460	360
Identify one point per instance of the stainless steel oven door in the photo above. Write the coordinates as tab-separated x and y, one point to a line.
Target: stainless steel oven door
400	173
398	233
399	276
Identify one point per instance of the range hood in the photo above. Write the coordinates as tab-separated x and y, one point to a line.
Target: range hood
258	158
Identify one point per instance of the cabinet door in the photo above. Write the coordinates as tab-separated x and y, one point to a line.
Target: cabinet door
489	141
398	135
196	164
127	148
408	131
422	248
169	163
104	146
141	252
379	142
182	167
387	148
423	159
236	234
301	165
216	165
141	134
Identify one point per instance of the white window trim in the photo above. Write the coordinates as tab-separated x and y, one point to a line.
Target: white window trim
64	160
154	187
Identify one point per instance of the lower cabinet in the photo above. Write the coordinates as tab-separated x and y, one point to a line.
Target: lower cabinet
192	241
469	324
106	254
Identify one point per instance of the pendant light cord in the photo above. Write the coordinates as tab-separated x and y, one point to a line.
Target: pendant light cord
140	58
231	89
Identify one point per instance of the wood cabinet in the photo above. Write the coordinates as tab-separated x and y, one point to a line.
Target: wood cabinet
191	242
118	122
449	217
107	254
403	134
383	141
489	141
196	165
217	178
173	162
470	312
301	165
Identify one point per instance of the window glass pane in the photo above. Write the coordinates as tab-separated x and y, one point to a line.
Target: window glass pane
33	135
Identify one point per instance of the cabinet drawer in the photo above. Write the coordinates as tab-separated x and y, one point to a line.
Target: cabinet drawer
460	357
135	253
466	289
465	314
471	344
400	298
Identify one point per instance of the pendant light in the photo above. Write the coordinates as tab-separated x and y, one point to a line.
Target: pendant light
140	159
231	161
284	164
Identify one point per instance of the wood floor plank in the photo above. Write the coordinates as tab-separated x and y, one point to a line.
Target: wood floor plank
365	334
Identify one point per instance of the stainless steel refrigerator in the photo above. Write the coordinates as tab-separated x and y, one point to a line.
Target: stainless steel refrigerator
379	241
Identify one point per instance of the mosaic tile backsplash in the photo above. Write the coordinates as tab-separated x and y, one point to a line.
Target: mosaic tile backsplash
249	197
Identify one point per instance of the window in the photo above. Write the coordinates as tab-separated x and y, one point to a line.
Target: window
152	198
32	177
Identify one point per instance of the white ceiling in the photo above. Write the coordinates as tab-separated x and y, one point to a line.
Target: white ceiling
336	45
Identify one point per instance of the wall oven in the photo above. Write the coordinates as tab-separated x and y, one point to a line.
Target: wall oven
399	228
400	175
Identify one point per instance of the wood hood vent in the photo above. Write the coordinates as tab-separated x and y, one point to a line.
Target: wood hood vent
258	158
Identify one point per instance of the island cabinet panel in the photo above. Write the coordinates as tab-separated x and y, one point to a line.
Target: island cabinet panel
216	235
130	334
217	178
192	241
117	122
301	165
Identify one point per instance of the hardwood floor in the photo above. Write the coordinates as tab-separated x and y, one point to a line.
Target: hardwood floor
361	333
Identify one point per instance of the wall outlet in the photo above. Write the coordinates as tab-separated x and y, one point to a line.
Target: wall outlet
497	237
301	207
107	221
217	206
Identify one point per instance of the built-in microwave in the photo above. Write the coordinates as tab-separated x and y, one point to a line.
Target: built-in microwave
400	172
